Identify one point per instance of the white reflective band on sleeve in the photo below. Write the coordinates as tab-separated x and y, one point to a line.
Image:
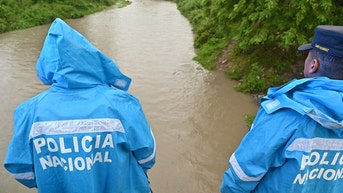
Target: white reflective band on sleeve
75	126
240	173
271	105
24	176
143	161
307	145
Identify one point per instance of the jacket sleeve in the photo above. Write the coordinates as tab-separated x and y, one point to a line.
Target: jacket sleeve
261	149
142	141
19	161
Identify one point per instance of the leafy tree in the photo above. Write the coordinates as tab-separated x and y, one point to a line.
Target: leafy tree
266	32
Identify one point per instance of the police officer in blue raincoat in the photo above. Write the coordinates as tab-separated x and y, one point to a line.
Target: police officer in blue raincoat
85	134
295	144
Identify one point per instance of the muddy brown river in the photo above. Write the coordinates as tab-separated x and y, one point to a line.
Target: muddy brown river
196	115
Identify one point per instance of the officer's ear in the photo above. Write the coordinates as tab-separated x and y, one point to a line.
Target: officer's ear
314	66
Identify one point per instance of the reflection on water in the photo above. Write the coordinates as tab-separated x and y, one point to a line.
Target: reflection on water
197	118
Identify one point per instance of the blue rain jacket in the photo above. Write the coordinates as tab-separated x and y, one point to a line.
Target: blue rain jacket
81	135
295	144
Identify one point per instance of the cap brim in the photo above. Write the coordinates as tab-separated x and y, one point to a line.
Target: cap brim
305	47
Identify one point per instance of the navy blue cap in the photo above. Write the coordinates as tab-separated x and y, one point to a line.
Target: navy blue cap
327	39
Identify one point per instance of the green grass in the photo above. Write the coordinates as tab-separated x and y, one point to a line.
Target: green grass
23	14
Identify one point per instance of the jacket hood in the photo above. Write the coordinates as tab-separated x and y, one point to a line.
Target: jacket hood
319	98
69	60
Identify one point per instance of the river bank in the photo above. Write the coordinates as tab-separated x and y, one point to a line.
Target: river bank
15	15
256	59
225	62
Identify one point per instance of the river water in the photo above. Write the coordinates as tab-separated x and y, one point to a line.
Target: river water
196	116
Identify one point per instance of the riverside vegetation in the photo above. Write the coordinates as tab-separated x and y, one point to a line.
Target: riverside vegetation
256	41
21	14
